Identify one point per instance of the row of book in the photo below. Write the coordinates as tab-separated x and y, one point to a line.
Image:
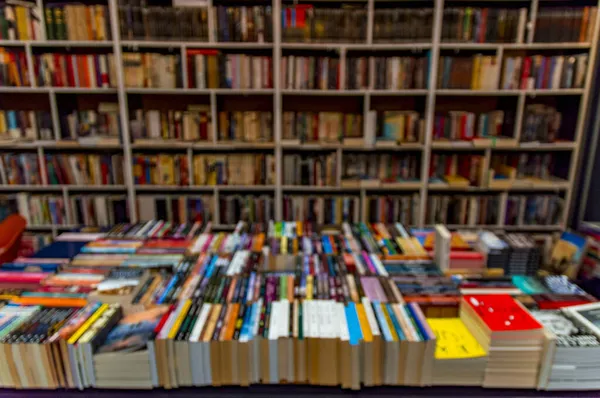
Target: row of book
192	124
89	169
462	210
97	211
215	69
307	23
461	125
311	170
162	169
484	25
320	126
409	24
480	72
456	170
44	210
391	128
77	22
322	209
310	73
541	123
534	210
245	126
234	169
233	208
20	21
244	23
75	70
387	209
400	73
381	169
545	72
25	125
152	70
102	122
152	22
526	165
20	169
565	24
13	68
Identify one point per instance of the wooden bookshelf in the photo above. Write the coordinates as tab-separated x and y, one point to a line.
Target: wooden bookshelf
365	98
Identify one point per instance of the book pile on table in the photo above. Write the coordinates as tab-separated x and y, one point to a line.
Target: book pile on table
524	255
572	352
509	334
162	305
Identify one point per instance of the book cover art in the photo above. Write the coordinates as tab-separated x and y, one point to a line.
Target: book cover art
501	313
567	255
569	331
133	332
454	340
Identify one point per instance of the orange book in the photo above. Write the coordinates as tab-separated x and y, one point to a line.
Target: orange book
81	70
89	24
231	289
585	20
86	75
229	322
290	288
51	301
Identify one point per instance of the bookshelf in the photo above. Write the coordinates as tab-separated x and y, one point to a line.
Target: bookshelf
366	39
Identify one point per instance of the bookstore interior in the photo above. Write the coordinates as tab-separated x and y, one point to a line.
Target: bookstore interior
335	193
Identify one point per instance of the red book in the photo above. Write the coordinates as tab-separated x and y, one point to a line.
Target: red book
526	71
315	132
70	75
501	313
270	60
57	74
105	172
23	277
484	13
84	72
463	127
202	52
81	70
546	72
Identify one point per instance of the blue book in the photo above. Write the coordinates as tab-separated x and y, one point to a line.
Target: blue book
353	324
395	322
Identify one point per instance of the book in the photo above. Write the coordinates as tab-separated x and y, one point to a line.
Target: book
244	23
402	25
537	72
310	72
14	70
152	70
77	22
576	24
74	70
234	169
84	169
309	170
484	25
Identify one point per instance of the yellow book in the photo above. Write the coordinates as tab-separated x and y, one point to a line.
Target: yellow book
299	228
475	77
73	339
3	127
454	340
389	322
284	245
364	323
179	320
22	20
309	287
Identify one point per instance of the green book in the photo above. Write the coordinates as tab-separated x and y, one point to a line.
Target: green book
3	25
50	28
60	28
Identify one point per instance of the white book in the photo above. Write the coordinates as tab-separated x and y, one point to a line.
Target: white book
521	25
371	126
273	338
256	72
199	71
557	73
92	71
291	63
104	70
371	317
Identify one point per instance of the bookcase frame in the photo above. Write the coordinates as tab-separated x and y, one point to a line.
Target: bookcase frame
278	190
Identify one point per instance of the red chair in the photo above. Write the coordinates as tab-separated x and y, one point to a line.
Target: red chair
11	232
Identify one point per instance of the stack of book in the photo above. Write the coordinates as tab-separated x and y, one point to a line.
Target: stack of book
21	21
244	24
357	73
480	72
571	351
484	25
310	170
14	71
193	124
391	128
235	169
509	334
84	169
248	126
524	255
545	72
20	169
97	211
310	73
159	23
565	24
25	125
301	127
163	169
543	209
307	23
75	70
409	24
101	123
77	22
322	209
459	358
152	70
